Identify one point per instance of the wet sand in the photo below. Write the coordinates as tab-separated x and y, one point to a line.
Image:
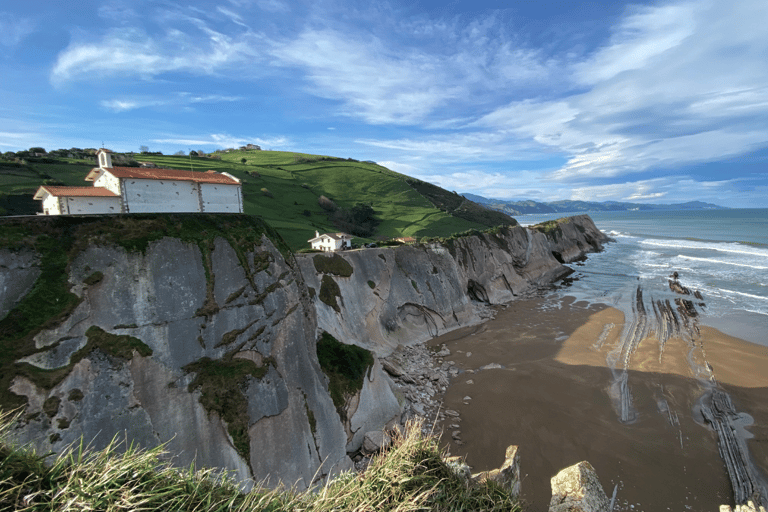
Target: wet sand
552	398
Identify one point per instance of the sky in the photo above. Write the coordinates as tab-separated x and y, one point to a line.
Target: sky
649	102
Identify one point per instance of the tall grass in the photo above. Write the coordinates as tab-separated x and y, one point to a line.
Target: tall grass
410	476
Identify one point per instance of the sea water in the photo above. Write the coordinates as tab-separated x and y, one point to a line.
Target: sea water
721	253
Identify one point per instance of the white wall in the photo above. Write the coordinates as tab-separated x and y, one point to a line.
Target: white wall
221	198
109	182
51	205
148	196
91	205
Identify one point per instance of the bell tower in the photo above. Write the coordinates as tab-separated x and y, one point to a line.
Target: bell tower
105	158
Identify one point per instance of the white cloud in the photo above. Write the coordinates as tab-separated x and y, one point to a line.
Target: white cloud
197	49
14	29
461	147
641	37
223	140
178	99
401	167
369	78
677	84
118	11
273	5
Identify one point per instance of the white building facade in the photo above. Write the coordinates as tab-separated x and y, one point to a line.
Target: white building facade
144	190
331	241
77	200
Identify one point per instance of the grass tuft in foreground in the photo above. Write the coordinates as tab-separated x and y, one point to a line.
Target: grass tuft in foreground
410	476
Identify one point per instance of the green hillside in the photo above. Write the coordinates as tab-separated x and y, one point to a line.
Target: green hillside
283	188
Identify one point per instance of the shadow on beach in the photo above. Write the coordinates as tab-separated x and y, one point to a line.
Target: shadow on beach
555	397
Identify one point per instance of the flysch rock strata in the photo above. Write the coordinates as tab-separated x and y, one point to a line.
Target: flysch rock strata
254	306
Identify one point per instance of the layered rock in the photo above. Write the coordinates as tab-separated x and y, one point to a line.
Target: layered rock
210	346
406	295
232	329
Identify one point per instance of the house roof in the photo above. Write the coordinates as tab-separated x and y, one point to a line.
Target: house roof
143	173
74	192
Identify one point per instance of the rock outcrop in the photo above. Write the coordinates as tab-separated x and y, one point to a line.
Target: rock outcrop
572	238
210	350
205	339
577	489
405	295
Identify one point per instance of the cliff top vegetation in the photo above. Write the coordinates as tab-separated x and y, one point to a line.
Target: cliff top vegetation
410	475
401	206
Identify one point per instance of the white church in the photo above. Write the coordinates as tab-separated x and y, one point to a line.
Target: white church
141	190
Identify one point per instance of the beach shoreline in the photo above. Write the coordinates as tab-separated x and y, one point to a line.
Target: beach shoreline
553	397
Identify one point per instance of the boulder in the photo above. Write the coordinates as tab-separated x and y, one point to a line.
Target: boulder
375	441
508	475
577	489
747	507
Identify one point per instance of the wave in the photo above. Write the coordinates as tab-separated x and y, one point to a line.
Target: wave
751	296
729	247
722	262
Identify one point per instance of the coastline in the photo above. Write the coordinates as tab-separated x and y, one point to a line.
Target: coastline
552	397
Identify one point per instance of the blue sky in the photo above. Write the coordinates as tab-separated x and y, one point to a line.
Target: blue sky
645	102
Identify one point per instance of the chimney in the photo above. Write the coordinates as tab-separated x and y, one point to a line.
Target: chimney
317	233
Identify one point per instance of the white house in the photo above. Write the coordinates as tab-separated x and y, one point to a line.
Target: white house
77	200
331	241
144	190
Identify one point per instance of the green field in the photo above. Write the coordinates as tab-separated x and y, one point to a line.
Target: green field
294	181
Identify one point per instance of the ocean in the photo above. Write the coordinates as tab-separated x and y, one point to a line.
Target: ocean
721	253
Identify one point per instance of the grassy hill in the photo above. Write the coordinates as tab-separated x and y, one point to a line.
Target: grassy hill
283	188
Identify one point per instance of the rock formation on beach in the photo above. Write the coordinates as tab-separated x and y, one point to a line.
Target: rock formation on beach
204	337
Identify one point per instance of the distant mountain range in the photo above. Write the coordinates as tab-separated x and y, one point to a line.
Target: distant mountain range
524	207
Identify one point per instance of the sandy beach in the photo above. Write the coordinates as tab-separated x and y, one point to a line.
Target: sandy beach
553	398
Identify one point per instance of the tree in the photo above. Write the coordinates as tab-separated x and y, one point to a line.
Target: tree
37	150
193	153
143	149
243	160
180	153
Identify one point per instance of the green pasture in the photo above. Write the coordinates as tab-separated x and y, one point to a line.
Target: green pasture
283	188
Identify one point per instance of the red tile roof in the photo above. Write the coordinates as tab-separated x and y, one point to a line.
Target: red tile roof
77	191
171	174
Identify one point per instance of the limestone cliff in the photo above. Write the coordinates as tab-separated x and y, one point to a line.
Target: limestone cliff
220	363
387	297
201	331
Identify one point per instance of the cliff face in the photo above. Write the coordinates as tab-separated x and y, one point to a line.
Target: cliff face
406	295
223	368
209	344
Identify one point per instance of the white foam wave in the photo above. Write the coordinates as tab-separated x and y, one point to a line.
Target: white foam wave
751	296
757	311
722	262
728	247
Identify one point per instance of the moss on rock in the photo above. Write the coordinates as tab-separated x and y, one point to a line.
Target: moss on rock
344	365
223	384
335	265
329	292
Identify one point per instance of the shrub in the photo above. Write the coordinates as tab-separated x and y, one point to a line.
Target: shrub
265	191
335	265
327	204
345	366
